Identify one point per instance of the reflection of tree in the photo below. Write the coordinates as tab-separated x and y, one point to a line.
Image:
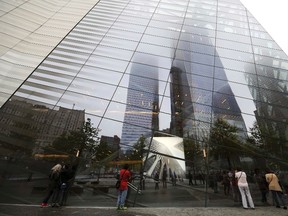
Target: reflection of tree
262	146
138	149
193	155
192	151
83	141
265	139
224	141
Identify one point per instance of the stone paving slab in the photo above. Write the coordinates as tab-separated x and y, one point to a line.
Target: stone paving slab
33	210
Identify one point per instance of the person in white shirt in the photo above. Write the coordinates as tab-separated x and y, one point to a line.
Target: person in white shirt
244	189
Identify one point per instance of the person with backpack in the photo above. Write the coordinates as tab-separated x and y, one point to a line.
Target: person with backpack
53	187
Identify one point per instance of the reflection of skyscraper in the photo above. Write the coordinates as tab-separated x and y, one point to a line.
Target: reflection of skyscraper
269	91
181	105
138	66
141	113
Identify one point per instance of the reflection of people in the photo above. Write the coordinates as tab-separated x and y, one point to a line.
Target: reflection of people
190	178
234	185
262	184
156	179
164	178
66	177
226	183
53	186
244	189
275	188
124	177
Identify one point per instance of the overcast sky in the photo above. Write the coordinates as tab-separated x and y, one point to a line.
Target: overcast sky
273	16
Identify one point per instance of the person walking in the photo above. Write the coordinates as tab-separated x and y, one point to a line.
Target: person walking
125	176
164	178
275	188
53	187
244	189
156	179
190	177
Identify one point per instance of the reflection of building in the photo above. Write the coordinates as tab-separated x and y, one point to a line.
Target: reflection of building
112	142
269	91
36	125
171	156
181	105
140	68
142	106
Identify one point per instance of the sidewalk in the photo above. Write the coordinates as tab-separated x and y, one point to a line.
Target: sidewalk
33	210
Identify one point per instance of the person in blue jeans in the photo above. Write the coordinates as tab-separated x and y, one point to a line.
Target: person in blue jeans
125	176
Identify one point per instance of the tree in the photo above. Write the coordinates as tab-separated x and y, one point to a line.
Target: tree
80	142
138	149
224	141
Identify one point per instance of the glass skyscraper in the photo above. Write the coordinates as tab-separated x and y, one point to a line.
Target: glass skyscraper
178	87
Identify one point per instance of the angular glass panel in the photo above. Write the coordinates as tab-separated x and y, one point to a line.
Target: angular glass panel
119	43
151	60
112	53
232	16
165	25
160	73
100	75
155	50
233	37
134	20
124	34
235	55
200	31
106	63
92	88
107	131
79	58
163	33
231	45
115	111
235	65
235	23
91	105
51	79
195	57
129	27
195	47
8	85
233	29
265	43
43	94
234	76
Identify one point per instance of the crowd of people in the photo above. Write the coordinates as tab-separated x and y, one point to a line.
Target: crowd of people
234	182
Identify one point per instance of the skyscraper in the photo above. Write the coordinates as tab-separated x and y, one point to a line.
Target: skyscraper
140	69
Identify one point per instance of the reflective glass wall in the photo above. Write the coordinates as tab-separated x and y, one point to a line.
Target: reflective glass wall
184	89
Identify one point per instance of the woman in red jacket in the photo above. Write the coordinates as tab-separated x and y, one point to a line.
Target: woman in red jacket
124	177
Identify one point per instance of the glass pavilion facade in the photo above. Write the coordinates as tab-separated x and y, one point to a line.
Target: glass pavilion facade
185	88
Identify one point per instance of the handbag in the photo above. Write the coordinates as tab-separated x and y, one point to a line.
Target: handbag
118	182
117	185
